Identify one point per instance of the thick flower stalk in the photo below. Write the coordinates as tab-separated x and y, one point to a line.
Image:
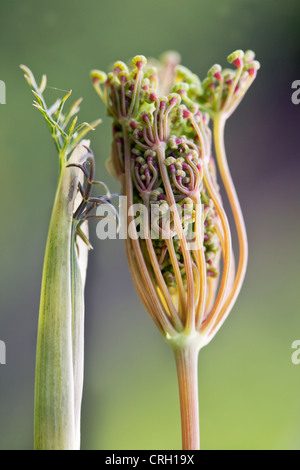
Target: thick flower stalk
60	342
179	248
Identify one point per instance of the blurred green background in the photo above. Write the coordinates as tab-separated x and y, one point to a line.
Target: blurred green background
249	388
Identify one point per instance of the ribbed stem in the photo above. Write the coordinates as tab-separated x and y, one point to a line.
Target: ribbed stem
186	357
59	357
219	125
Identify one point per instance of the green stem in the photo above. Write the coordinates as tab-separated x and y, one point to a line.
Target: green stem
78	312
219	126
59	359
186	357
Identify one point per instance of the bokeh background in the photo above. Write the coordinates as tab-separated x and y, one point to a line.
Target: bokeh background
249	388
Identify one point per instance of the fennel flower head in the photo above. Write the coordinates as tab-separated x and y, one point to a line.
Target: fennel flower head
179	246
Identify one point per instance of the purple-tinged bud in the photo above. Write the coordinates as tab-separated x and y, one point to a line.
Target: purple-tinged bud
123	77
252	72
163	102
153	97
141	160
134	125
137	134
120	66
238	62
215	70
235	56
139	61
174	98
212	273
252	67
186	114
150	154
170	161
98	77
181	88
